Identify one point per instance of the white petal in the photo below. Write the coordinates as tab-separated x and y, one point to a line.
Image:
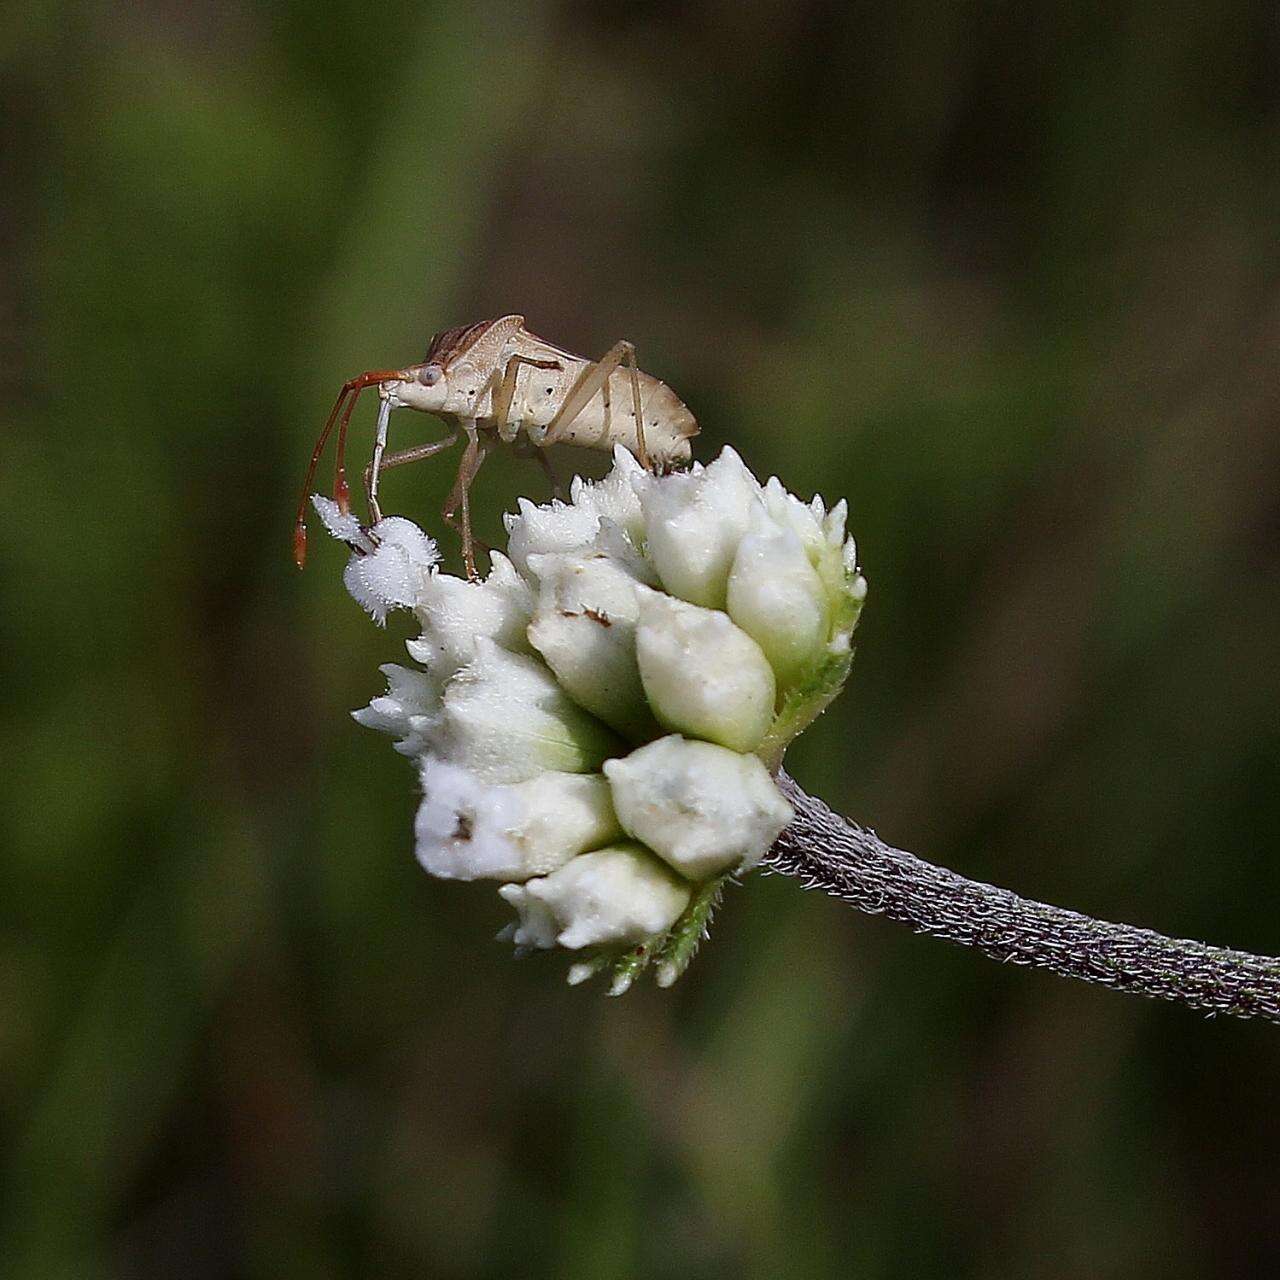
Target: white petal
701	808
704	676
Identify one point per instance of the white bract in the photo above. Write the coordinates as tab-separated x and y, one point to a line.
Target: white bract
621	894
701	808
776	596
704	675
469	829
596	722
585	629
694	523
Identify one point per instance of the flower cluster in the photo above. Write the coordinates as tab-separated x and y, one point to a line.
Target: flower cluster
596	722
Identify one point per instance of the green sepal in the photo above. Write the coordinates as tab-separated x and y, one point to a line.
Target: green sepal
632	963
670	951
819	683
684	937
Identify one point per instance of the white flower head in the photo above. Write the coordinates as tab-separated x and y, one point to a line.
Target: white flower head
776	596
571	526
409	710
834	556
455	614
585	629
506	718
616	497
596	722
557	527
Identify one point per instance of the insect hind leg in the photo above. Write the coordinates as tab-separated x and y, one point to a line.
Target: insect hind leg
595	381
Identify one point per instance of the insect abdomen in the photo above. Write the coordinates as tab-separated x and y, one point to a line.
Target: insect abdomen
668	424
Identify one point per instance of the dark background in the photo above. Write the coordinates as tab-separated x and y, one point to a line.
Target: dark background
1005	275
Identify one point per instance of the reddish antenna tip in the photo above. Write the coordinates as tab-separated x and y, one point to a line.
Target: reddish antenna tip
300	545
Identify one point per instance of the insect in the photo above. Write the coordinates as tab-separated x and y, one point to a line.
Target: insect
495	382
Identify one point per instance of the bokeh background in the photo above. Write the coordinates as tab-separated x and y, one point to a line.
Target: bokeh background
1007	276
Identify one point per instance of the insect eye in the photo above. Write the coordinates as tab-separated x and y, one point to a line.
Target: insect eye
429	374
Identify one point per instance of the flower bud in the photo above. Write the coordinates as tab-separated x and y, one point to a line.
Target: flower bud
694	522
703	675
409	710
468	829
699	807
621	894
390	563
615	498
561	526
833	555
585	630
777	598
454	613
343	525
556	527
506	719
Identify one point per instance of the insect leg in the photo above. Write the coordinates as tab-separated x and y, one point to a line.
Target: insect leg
399	459
473	457
506	392
596	380
629	353
557	489
525	448
375	463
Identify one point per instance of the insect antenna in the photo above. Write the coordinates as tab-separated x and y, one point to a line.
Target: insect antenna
350	393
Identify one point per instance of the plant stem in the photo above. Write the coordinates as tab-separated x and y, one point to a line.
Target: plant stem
824	851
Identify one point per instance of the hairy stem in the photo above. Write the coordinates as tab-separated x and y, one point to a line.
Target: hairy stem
824	851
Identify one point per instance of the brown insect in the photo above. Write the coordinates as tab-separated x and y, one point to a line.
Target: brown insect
495	382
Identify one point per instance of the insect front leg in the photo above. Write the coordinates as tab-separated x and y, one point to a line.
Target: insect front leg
399	459
596	380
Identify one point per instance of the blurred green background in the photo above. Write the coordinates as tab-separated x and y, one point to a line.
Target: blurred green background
1006	276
